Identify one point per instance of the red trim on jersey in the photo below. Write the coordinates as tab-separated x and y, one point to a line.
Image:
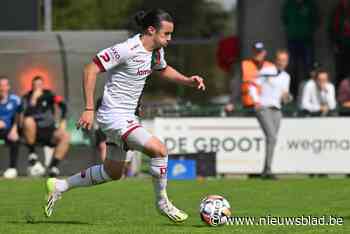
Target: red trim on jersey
127	133
97	61
58	99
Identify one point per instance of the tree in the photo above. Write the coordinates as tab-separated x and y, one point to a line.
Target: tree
92	14
193	18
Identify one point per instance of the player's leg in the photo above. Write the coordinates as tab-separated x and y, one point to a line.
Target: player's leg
111	169
101	144
13	145
30	132
265	119
60	139
141	140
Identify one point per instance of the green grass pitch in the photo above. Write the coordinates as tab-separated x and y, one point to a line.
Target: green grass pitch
127	206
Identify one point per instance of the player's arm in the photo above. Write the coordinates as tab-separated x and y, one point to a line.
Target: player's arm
89	82
13	133
169	73
103	61
59	102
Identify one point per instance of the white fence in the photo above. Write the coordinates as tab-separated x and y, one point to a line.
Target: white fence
308	145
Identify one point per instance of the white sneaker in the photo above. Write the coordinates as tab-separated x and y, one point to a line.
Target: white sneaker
53	195
54	172
36	170
166	208
10	173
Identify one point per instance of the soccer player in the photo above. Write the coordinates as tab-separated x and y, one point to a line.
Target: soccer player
39	126
10	107
129	64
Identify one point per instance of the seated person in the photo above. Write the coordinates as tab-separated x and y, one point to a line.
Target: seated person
318	97
39	126
10	107
344	97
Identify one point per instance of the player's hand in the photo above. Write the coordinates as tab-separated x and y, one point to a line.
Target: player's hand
324	109
257	106
229	107
13	135
198	82
86	120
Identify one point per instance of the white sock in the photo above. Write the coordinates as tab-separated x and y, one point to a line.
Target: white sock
158	168
92	176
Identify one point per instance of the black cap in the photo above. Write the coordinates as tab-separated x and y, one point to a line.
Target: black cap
259	46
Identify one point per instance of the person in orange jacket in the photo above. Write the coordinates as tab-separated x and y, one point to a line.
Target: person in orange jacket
249	71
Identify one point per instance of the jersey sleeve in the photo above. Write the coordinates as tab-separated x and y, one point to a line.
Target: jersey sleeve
17	103
111	57
19	107
158	60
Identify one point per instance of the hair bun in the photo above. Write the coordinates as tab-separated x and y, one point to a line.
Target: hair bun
139	17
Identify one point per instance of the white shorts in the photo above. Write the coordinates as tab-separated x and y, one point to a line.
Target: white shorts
124	134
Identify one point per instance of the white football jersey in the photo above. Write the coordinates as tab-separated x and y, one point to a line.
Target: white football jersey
128	64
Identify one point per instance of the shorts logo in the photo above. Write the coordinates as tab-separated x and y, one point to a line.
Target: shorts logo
9	106
163	170
105	57
83	174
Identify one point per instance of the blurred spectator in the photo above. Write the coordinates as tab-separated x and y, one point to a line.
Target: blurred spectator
300	18
10	107
340	37
39	126
318	97
248	73
344	97
312	74
272	88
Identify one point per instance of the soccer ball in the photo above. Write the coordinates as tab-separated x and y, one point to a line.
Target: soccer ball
214	210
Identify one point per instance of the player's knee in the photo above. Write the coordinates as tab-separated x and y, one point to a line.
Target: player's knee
65	137
114	169
62	136
160	151
115	176
163	152
271	139
29	123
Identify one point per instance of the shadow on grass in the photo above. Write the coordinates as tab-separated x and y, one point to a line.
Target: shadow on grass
49	222
183	225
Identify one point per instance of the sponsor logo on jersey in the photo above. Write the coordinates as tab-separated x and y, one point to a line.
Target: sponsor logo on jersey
145	72
134	47
105	57
9	106
163	171
115	53
138	60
